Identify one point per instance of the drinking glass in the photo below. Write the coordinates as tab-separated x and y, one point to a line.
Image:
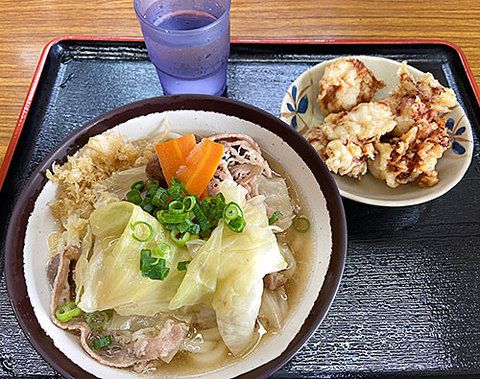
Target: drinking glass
188	41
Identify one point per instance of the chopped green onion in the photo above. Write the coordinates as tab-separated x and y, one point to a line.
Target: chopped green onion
165	247
189	202
138	185
176	207
219	205
201	218
237	225
220	199
164	198
274	217
182	266
184	226
205	234
176	188
184	215
101	342
134	196
194	229
182	240
176	183
148	208
163	250
146	200
168	218
67	311
153	185
151	192
160	198
301	224
207	201
97	320
177	196
152	267
232	211
145	261
141	235
170	226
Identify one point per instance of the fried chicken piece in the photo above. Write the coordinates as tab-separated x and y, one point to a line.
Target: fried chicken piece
346	83
349	158
421	137
346	140
414	100
412	156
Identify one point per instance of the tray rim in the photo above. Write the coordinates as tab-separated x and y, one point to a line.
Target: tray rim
30	96
240	41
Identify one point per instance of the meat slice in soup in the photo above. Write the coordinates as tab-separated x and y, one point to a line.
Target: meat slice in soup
242	161
126	348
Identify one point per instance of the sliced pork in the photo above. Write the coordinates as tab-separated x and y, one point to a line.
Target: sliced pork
242	161
127	349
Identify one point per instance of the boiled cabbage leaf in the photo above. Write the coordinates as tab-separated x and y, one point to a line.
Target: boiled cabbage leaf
235	278
274	308
110	278
277	199
120	182
200	281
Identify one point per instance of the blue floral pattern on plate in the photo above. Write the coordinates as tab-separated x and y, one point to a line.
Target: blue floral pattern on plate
297	106
458	139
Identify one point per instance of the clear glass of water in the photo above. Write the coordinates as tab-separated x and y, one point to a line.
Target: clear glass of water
188	41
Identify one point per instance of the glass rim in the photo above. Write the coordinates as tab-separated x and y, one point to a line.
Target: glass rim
142	19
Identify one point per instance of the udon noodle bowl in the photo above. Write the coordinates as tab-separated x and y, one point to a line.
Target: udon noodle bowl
179	253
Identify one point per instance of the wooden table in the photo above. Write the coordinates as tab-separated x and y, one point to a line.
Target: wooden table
26	26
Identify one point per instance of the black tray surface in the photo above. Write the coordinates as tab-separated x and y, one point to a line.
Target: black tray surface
409	302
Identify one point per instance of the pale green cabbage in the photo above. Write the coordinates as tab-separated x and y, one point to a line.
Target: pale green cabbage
227	272
277	198
200	282
109	277
120	182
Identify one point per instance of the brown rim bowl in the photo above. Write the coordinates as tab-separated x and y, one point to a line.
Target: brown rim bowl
16	284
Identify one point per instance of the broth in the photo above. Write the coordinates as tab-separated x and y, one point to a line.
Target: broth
301	246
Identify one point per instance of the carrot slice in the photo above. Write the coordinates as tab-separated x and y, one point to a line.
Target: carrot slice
200	166
173	154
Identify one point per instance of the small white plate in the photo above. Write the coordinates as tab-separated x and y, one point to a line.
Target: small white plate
299	109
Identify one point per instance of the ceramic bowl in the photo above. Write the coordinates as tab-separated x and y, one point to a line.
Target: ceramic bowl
27	250
299	109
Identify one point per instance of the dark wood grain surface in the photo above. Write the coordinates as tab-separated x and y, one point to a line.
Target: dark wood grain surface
26	26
